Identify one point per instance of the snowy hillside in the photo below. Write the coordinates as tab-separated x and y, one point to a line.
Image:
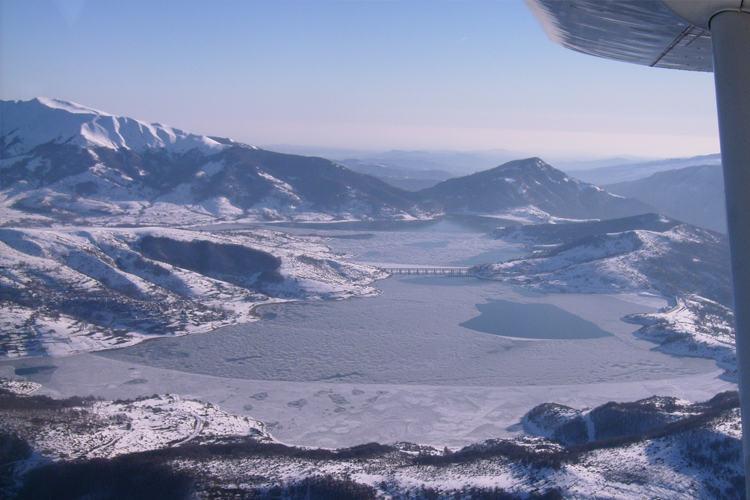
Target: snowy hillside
76	290
695	326
117	427
62	162
650	252
659	447
532	184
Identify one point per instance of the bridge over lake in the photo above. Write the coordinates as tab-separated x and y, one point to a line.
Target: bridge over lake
430	271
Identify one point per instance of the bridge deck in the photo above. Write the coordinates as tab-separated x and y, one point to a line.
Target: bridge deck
430	271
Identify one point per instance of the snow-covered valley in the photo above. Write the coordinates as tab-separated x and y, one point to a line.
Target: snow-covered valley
398	366
401	357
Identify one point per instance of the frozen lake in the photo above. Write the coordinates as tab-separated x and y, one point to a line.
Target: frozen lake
443	361
412	333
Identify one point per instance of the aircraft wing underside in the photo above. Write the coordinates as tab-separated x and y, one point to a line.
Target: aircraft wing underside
643	32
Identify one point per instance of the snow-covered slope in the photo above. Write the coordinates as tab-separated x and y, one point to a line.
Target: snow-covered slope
89	428
659	447
649	252
76	290
695	326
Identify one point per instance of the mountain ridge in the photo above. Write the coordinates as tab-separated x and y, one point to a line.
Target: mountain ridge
63	162
532	182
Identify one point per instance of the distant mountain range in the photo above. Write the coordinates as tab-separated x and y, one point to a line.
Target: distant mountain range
637	170
691	194
456	162
68	163
400	177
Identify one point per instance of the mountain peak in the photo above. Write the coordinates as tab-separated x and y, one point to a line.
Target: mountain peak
70	107
534	163
28	124
530	182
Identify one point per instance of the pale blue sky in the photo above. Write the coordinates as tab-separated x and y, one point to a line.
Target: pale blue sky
381	75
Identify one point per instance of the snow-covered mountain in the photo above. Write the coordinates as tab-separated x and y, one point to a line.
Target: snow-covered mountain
67	162
29	124
63	162
691	194
531	184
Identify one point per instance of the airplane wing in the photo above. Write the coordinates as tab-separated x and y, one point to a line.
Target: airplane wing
641	32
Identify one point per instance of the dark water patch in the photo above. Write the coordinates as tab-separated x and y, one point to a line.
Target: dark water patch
339	376
136	381
34	370
164	350
338	399
292	311
446	224
243	358
360	236
532	321
41	374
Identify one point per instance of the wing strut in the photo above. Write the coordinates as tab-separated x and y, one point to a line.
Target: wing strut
730	35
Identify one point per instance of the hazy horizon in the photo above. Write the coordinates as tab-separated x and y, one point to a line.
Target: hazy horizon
379	76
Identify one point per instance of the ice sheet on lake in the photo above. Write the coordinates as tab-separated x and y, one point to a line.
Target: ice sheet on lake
412	334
